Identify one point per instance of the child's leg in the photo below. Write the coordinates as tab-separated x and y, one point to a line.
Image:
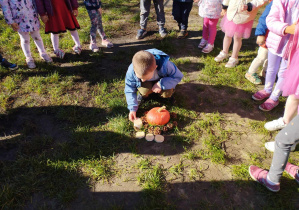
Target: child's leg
145	6
226	43
185	11
75	37
93	29
100	26
176	12
25	44
55	41
212	30
146	88
159	7
291	108
205	29
260	59
167	93
237	46
283	143
273	67
38	42
277	90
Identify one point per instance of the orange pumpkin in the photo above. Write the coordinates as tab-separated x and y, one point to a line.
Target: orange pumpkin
158	116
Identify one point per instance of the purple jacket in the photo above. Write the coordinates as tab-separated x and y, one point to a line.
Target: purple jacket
44	7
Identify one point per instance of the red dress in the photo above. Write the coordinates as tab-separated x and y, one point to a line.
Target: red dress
62	19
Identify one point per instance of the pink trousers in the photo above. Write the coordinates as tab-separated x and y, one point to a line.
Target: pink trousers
209	30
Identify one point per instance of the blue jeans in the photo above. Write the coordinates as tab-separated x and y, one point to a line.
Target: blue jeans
180	12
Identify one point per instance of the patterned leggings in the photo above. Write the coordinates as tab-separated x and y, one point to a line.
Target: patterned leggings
96	25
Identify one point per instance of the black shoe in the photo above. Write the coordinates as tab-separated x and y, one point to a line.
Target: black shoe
8	65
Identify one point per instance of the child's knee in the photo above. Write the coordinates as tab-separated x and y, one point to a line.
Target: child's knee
167	93
145	92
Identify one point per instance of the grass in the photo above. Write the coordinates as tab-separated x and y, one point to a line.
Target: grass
64	127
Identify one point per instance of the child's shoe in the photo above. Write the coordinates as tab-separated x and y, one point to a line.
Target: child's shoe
268	105
253	78
106	43
182	34
141	34
271	146
260	95
232	62
202	43
260	175
222	55
208	48
94	48
77	49
30	64
59	53
46	58
293	171
162	32
8	65
275	125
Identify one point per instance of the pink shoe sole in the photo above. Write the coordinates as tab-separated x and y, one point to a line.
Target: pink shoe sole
268	105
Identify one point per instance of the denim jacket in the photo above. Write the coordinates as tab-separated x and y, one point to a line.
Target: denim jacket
169	74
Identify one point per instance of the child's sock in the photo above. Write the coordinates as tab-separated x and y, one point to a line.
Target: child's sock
270	182
25	44
75	37
38	42
55	41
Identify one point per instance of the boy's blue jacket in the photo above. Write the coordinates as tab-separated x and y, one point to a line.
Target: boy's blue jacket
169	73
92	4
261	27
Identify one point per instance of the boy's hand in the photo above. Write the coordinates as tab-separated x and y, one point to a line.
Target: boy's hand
156	88
44	18
132	116
223	12
260	40
290	29
15	26
75	12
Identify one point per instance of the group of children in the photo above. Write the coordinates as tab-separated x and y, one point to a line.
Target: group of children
58	16
277	34
151	71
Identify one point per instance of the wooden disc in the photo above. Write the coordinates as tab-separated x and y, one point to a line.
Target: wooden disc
140	135
159	138
149	137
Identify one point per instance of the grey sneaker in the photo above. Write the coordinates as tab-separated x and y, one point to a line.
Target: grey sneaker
141	34
31	64
162	32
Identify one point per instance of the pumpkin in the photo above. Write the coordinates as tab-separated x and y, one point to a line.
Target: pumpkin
158	116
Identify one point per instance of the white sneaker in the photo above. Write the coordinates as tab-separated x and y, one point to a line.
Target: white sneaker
275	125
232	62
31	64
202	43
271	146
208	48
222	55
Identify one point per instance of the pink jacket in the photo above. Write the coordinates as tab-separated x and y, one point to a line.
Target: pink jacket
277	21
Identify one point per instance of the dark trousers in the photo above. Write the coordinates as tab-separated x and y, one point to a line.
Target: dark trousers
1	58
180	12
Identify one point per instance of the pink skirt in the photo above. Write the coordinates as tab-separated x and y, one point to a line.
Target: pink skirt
291	77
240	30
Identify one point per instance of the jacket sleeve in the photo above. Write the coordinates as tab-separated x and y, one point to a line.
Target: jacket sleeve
40	6
74	4
261	27
173	77
131	91
274	24
7	12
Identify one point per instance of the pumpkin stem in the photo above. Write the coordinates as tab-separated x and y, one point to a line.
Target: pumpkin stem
162	108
